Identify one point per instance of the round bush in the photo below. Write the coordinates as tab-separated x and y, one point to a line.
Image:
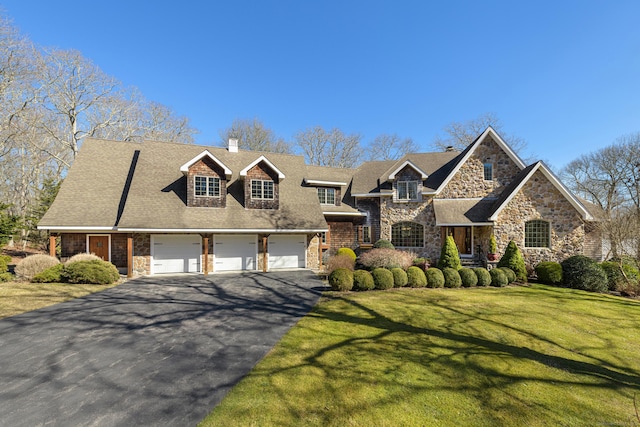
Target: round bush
549	273
400	278
363	281
383	244
511	275
34	264
383	278
95	272
50	275
451	278
619	275
82	257
581	272
498	278
484	278
468	277
416	277
341	279
514	260
348	252
435	278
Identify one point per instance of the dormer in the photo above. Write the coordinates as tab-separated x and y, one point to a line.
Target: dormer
261	184
407	182
207	179
329	192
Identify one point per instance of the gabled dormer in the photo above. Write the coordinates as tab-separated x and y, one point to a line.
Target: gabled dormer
329	192
261	184
407	181
207	179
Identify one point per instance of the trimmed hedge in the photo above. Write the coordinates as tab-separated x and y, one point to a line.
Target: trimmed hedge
514	260
383	244
498	278
341	279
549	273
449	256
400	278
484	278
581	272
50	275
451	278
416	277
383	278
511	275
468	277
363	281
95	272
435	278
348	252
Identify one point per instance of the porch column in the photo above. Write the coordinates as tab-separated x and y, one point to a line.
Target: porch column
206	255
319	236
52	245
265	253
129	255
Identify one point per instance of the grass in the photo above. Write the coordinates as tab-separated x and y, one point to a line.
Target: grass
534	356
20	297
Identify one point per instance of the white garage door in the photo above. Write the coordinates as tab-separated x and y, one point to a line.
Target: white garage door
235	252
176	253
287	251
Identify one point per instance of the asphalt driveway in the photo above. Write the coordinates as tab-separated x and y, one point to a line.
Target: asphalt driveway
159	351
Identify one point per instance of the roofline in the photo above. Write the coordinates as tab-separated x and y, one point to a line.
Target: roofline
74	228
366	195
223	230
392	175
327	183
330	213
453	224
556	183
489	130
244	171
185	168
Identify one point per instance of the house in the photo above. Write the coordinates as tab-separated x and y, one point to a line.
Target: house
156	207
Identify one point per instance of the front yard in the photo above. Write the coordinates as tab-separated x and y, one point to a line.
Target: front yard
534	356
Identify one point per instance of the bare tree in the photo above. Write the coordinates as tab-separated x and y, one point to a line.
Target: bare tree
460	134
253	135
390	147
329	148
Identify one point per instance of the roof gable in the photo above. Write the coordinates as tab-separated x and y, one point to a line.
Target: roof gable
517	184
185	168
244	171
406	163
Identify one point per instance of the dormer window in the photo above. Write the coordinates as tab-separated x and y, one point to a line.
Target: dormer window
206	186
261	189
327	196
407	190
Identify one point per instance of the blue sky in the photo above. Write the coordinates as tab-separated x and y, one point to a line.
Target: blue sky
563	75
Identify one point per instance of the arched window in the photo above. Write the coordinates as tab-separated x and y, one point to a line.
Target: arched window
407	235
536	234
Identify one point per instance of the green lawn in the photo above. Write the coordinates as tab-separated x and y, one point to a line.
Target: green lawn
517	356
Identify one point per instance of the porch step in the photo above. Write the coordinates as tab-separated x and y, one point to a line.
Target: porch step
471	263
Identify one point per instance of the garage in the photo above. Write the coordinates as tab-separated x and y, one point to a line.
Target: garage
176	253
235	252
287	251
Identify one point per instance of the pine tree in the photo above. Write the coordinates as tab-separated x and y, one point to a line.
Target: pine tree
514	260
449	256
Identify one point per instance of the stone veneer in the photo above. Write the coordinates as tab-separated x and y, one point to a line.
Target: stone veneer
141	254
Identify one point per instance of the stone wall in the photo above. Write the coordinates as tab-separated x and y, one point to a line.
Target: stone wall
469	180
313	260
141	254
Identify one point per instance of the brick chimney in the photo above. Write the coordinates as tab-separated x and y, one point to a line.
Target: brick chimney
233	145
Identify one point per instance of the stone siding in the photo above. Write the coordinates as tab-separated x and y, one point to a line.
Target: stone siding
264	172
469	181
313	260
209	168
141	254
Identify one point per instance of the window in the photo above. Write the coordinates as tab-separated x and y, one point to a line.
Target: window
407	235
261	189
323	237
327	196
536	234
207	186
366	234
407	190
488	171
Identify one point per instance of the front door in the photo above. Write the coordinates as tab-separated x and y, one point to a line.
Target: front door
99	245
462	237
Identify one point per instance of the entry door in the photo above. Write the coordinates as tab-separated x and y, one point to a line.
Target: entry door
99	245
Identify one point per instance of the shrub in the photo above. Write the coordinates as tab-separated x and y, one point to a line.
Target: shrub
468	277
383	278
82	257
4	263
6	277
422	263
549	272
341	279
498	278
363	280
435	278
383	244
348	252
629	289
511	275
400	278
493	245
581	272
34	264
50	275
386	258
95	272
449	256
451	278
416	277
484	278
340	261
513	259
620	275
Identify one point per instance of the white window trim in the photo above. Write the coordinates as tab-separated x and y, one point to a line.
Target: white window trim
407	199
262	181
484	165
368	227
325	190
99	235
206	186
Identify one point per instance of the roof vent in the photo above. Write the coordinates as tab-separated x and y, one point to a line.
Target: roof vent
233	145
449	148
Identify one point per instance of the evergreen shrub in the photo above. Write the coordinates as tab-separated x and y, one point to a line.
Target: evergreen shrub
514	260
400	278
581	272
435	278
341	279
468	277
451	278
383	278
484	278
416	277
498	278
95	272
449	256
549	273
363	281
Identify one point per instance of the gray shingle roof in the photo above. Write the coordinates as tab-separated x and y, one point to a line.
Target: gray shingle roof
462	211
